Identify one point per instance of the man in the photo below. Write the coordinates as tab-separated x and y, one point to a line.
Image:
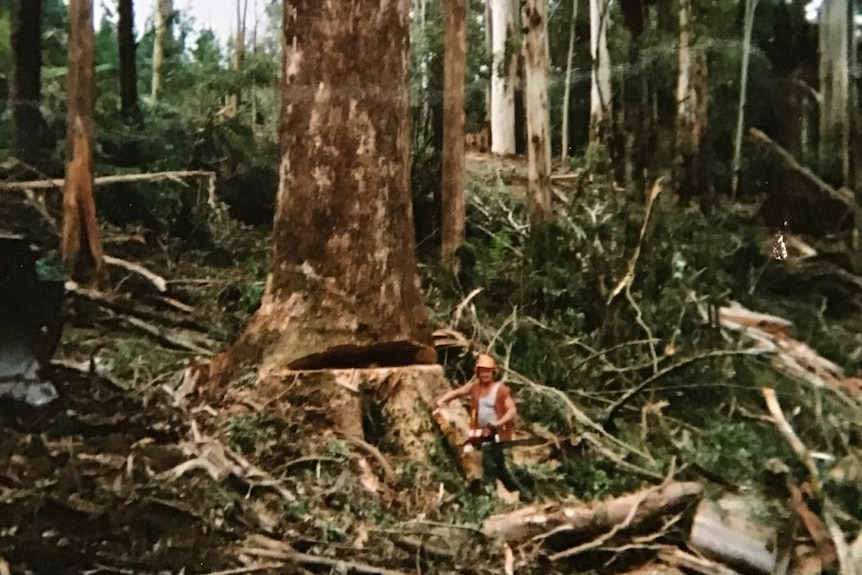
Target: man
492	409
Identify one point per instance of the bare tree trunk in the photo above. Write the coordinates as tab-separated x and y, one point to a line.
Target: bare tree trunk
452	190
535	18
238	55
489	49
835	35
567	89
129	105
692	110
750	6
81	238
164	14
342	289
502	89
27	77
600	95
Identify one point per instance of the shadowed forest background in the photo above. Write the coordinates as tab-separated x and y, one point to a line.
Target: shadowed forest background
648	211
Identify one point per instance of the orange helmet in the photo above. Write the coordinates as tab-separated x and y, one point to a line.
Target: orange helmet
485	361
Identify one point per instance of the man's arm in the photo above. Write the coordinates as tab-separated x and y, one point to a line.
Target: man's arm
455	393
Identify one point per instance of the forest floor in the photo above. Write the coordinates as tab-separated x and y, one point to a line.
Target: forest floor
121	475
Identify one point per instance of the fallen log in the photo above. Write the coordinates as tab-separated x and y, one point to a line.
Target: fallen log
681	559
725	532
539	521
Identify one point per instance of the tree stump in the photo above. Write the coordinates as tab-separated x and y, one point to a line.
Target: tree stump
334	401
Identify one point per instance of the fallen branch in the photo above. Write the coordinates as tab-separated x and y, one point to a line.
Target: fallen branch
249	569
388	473
789	435
158	281
57	184
621	402
843	195
681	559
629	276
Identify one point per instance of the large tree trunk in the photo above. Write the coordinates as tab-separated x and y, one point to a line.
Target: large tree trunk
750	6
27	77
502	86
600	95
81	239
342	289
535	18
691	111
567	88
452	192
164	14
835	35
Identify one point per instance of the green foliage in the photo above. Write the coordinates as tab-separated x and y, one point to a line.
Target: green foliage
251	434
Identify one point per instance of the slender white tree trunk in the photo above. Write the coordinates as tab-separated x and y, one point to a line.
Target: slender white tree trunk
835	35
600	95
750	6
567	89
502	90
535	14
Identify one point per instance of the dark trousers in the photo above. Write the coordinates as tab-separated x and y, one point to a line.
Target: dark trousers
494	468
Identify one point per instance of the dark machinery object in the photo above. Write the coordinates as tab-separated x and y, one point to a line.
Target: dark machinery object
31	323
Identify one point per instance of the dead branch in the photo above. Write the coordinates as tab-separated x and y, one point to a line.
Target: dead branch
249	569
789	435
339	565
629	276
845	560
843	195
719	540
621	402
388	473
132	316
57	184
158	281
681	559
624	524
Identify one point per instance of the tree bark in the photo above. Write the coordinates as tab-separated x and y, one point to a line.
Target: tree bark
164	14
691	110
452	192
502	87
600	94
567	89
81	239
750	6
835	35
535	18
27	77
343	289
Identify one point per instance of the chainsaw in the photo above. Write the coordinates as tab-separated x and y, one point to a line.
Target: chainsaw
489	437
